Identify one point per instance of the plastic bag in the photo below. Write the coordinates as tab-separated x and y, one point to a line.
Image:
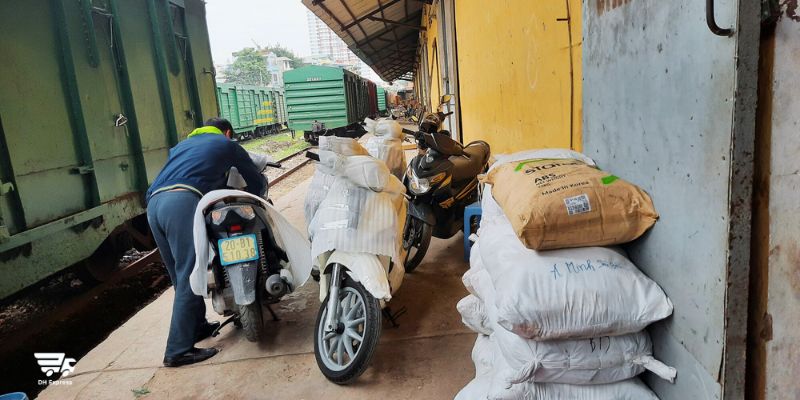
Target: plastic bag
354	204
500	159
386	145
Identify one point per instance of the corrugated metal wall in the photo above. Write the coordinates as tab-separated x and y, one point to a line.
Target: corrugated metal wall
670	106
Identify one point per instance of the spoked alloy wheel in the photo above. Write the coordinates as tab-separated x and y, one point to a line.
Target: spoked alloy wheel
344	354
416	239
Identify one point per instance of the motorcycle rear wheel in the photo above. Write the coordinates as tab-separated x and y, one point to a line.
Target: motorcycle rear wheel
343	355
416	239
252	321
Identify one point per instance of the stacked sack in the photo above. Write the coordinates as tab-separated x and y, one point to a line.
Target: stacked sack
386	144
557	316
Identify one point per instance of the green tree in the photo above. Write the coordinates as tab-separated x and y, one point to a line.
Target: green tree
249	67
281	51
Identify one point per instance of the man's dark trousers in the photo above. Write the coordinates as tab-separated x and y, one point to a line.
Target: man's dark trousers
171	216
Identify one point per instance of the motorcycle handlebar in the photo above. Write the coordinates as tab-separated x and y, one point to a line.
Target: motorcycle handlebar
409	131
313	156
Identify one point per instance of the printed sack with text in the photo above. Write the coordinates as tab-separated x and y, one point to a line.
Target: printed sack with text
560	203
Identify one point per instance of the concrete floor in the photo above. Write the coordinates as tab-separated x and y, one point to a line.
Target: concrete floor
427	357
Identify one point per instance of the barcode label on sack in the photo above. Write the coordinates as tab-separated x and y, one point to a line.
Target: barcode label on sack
578	204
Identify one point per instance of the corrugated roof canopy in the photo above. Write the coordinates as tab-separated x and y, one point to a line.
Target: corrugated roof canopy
383	33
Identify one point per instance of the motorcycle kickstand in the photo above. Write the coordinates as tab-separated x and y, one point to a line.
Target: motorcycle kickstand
274	316
227	321
392	317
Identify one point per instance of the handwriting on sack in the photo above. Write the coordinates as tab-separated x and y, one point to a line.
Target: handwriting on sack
566	268
597	344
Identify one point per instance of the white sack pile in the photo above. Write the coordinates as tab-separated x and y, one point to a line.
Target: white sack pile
353	202
386	144
557	324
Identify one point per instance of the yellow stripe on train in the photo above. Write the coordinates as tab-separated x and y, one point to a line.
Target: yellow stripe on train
263	121
264	112
267	103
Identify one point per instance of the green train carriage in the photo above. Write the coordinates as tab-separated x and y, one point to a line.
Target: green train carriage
91	100
327	100
254	111
382	110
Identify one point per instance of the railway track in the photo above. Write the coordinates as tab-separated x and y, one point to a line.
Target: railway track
61	318
293	165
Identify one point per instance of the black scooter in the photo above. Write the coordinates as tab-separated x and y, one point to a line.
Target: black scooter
441	181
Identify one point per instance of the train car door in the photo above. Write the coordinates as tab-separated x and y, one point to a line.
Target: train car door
106	115
171	17
669	104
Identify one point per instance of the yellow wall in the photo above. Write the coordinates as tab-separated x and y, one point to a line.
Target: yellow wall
515	74
431	33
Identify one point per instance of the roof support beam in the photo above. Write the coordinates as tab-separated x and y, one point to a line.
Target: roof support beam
367	15
347	8
392	59
390	63
330	14
399	41
390	22
365	41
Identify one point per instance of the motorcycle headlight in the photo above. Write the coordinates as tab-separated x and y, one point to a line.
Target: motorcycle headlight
419	185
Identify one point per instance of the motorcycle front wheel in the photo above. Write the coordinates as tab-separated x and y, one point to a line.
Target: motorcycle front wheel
344	354
416	239
252	321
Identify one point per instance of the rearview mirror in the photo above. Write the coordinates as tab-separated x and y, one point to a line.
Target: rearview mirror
446	98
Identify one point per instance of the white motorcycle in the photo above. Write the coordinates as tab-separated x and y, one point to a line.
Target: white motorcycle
247	255
356	212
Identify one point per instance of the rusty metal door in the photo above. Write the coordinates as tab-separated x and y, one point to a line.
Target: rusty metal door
669	104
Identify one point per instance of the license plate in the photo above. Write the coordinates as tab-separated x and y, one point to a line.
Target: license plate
238	249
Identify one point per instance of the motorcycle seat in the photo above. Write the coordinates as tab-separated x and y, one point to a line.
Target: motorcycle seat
468	166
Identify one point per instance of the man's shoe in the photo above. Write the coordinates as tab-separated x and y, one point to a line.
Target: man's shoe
192	356
206	330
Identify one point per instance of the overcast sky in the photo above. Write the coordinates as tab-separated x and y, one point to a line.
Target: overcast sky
235	24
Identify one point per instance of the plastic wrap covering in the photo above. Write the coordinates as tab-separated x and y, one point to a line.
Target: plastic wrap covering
235	179
386	145
292	241
342	146
260	160
499	159
369	269
354	204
